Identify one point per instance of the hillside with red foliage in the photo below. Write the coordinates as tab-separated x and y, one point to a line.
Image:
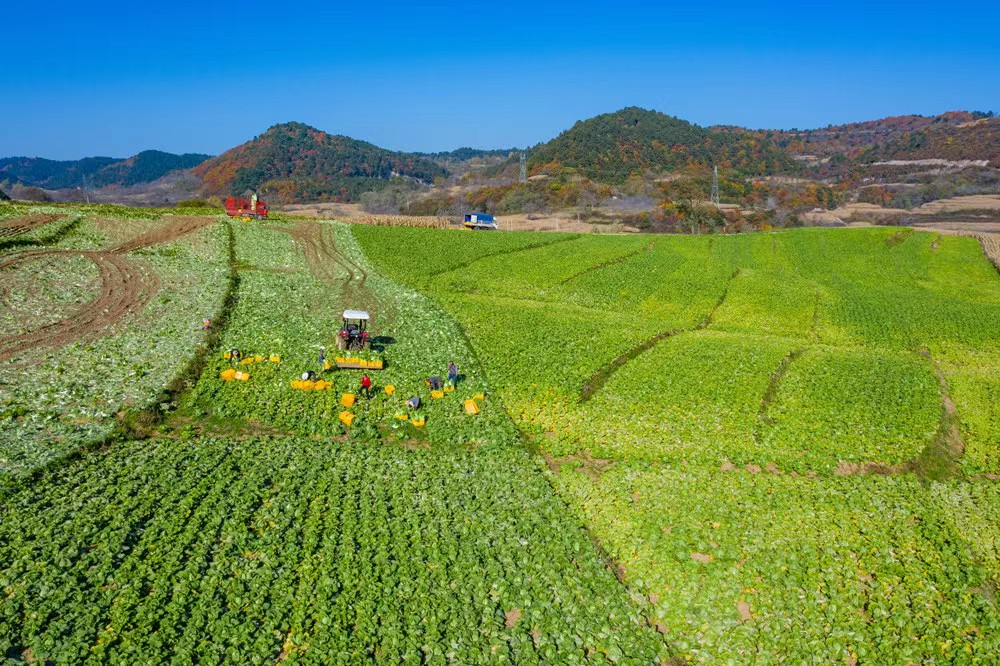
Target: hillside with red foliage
296	163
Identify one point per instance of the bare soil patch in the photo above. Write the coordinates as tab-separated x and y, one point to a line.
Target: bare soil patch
591	466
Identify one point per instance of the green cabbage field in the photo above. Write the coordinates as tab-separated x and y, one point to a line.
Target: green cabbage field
788	442
763	448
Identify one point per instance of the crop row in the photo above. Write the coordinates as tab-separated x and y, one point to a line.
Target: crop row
282	309
44	290
433	251
867	300
227	551
531	272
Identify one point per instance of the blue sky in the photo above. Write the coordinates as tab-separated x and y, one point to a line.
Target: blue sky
113	78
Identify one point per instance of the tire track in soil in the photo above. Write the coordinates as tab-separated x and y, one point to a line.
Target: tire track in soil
25	223
126	289
323	256
176	227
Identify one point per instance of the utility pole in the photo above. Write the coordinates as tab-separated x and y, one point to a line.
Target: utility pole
524	169
715	186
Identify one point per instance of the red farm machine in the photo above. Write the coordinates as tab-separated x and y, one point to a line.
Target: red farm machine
246	209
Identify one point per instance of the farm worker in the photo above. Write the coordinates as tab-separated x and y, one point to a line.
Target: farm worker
322	358
366	385
413	403
235	356
206	324
435	383
452	372
308	376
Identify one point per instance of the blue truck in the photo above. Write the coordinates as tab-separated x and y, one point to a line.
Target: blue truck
480	221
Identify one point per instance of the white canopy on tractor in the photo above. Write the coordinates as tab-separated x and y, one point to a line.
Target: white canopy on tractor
356	314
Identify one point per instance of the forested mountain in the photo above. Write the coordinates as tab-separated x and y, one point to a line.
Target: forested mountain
854	140
612	146
973	140
145	167
298	163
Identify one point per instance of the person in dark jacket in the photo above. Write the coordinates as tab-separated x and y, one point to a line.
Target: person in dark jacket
452	372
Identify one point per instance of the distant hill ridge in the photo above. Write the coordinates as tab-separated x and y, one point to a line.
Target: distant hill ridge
144	167
300	163
613	146
897	137
295	163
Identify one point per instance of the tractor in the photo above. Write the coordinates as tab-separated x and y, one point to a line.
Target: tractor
354	331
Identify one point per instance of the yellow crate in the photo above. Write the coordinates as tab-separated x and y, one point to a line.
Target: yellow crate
274	358
346	418
437	394
418	423
228	374
389	389
471	407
